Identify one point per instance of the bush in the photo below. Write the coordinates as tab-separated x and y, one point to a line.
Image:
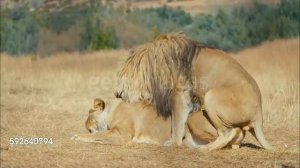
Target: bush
244	27
99	26
176	16
18	31
155	21
95	34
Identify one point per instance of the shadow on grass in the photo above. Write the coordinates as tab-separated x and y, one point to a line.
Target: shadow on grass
250	145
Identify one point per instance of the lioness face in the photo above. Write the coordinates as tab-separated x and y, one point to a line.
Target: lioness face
96	120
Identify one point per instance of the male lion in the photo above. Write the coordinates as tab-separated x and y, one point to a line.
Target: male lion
167	71
138	123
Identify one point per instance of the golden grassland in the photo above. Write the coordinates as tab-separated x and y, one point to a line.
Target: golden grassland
191	6
50	97
275	67
197	6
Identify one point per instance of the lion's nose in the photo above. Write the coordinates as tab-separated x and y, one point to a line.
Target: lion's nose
90	131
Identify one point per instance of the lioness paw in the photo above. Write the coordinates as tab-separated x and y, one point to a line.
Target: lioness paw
235	146
170	142
74	137
204	149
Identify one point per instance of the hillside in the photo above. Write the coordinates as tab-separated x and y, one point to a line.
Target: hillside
191	6
197	6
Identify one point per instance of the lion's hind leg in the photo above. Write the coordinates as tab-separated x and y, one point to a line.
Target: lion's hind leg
106	137
191	142
226	133
235	143
222	140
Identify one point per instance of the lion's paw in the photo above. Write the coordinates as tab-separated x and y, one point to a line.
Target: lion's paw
204	149
235	146
170	142
74	137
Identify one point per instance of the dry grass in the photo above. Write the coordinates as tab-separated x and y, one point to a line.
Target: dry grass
275	67
197	6
191	6
50	97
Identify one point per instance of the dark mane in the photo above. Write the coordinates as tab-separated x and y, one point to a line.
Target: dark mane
154	69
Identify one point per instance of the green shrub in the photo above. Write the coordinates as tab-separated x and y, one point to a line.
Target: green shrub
95	34
100	26
176	16
18	31
244	27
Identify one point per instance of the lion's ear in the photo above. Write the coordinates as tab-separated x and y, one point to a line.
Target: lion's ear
99	104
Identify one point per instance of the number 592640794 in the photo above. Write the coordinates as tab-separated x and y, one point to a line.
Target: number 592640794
30	141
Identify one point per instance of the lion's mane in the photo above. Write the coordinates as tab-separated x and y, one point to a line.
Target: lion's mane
153	70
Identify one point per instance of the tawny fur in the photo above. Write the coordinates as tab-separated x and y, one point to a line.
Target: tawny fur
166	71
152	70
138	123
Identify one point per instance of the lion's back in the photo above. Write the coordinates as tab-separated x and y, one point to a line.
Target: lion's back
215	68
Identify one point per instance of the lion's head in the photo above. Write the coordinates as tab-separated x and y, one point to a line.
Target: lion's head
96	120
154	70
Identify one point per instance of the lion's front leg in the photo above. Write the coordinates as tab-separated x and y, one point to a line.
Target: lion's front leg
181	107
84	137
106	137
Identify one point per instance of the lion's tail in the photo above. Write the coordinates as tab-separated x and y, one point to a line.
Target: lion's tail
257	132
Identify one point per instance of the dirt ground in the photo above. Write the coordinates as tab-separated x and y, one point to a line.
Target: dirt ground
50	98
67	153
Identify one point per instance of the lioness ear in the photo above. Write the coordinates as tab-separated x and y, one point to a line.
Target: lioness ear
91	111
99	104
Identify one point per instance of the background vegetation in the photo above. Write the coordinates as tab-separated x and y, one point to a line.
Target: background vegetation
99	26
38	96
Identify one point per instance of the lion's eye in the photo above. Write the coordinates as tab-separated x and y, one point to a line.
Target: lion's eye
90	131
